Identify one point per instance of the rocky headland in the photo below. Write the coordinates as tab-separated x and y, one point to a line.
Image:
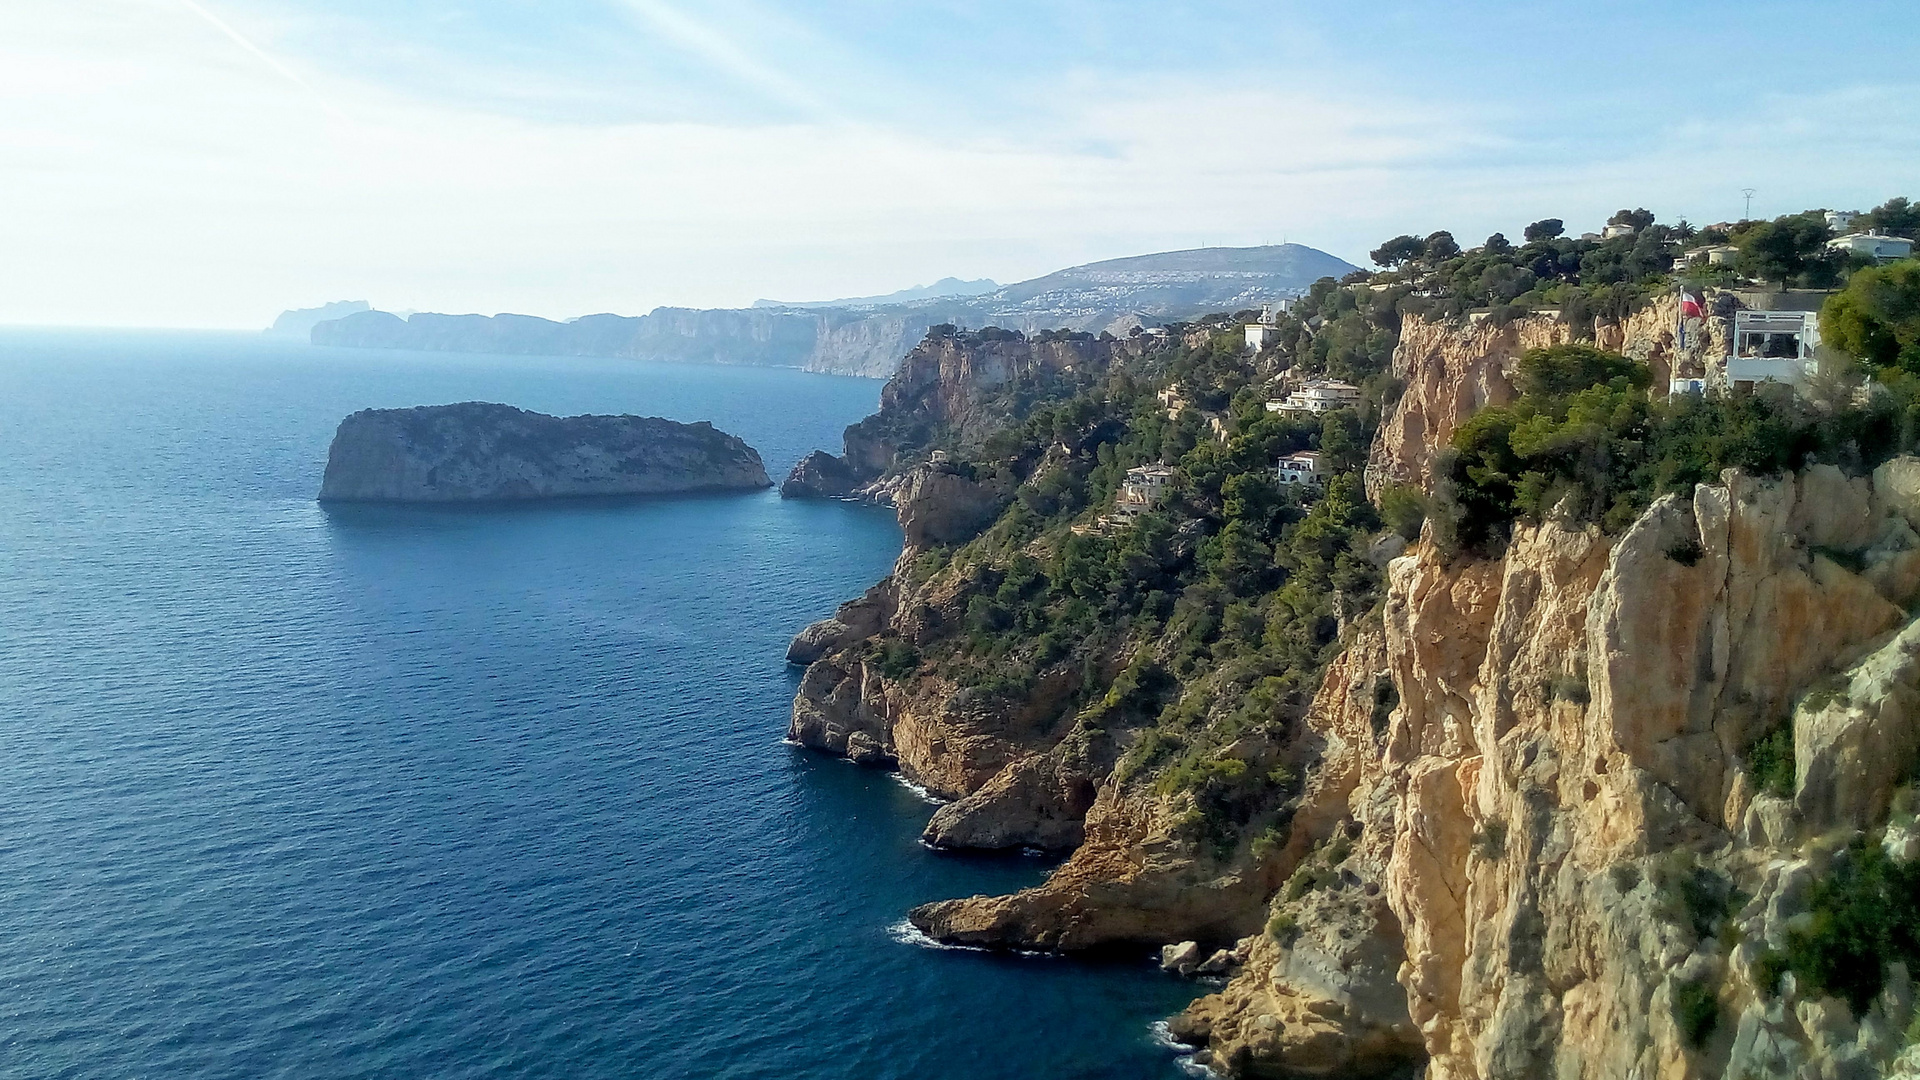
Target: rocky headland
867	336
480	452
1626	790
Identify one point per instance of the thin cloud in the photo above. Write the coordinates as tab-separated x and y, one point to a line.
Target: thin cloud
717	49
263	56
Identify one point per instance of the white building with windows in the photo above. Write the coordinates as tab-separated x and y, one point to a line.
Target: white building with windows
1300	470
1771	346
1318	396
1267	331
1873	245
1142	490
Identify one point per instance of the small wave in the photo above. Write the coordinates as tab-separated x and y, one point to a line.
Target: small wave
1162	1036
906	933
924	795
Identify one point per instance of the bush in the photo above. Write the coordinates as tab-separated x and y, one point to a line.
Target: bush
1490	841
1696	1011
1865	915
1877	316
1770	761
896	659
1403	508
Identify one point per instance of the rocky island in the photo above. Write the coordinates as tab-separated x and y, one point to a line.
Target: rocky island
480	452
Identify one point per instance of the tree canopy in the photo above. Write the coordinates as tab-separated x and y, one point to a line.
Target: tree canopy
1877	316
1545	229
1399	250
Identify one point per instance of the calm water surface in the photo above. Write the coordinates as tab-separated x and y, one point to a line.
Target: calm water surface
456	793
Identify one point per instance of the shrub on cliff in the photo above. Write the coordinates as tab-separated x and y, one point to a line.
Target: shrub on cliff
1583	440
1877	316
1865	915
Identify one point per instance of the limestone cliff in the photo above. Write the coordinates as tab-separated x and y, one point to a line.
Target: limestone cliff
477	452
1449	372
951	389
1531	827
1568	749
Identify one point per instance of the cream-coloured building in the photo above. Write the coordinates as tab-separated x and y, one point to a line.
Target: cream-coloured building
1300	469
1771	346
1318	396
1142	490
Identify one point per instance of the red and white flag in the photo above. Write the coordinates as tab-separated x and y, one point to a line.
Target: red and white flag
1690	307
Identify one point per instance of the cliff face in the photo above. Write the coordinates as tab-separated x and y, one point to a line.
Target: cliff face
827	340
949	388
1533	833
1567	755
475	451
1451	372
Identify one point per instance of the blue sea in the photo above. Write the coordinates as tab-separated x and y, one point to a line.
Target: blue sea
415	793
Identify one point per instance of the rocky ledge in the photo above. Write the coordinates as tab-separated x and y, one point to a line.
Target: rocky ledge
479	452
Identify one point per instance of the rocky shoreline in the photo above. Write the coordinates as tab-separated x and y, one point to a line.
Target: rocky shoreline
1518	777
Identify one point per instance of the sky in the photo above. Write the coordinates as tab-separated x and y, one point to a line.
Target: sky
208	163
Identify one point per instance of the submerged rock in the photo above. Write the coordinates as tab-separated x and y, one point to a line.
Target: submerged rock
477	452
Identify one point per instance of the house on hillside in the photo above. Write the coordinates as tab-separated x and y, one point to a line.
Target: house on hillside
1267	331
1300	470
1873	245
1316	397
1713	255
1141	491
1841	220
1771	346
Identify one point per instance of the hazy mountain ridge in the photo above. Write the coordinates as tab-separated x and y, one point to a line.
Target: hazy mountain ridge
945	287
303	320
1114	295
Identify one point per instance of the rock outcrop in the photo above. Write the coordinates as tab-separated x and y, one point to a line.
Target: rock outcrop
1451	372
474	452
1531	836
947	392
820	475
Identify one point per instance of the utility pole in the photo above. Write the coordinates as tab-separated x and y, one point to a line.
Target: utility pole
1748	192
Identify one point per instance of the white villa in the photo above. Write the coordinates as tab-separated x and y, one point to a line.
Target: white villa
1883	248
1318	396
1302	468
1141	491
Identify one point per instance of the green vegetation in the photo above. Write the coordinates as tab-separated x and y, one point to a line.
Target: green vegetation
1586	442
1696	1011
1689	895
1877	318
1187	643
1865	915
1283	928
1770	761
1490	840
1194	636
895	658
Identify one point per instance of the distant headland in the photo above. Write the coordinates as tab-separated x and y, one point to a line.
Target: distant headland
480	452
869	335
